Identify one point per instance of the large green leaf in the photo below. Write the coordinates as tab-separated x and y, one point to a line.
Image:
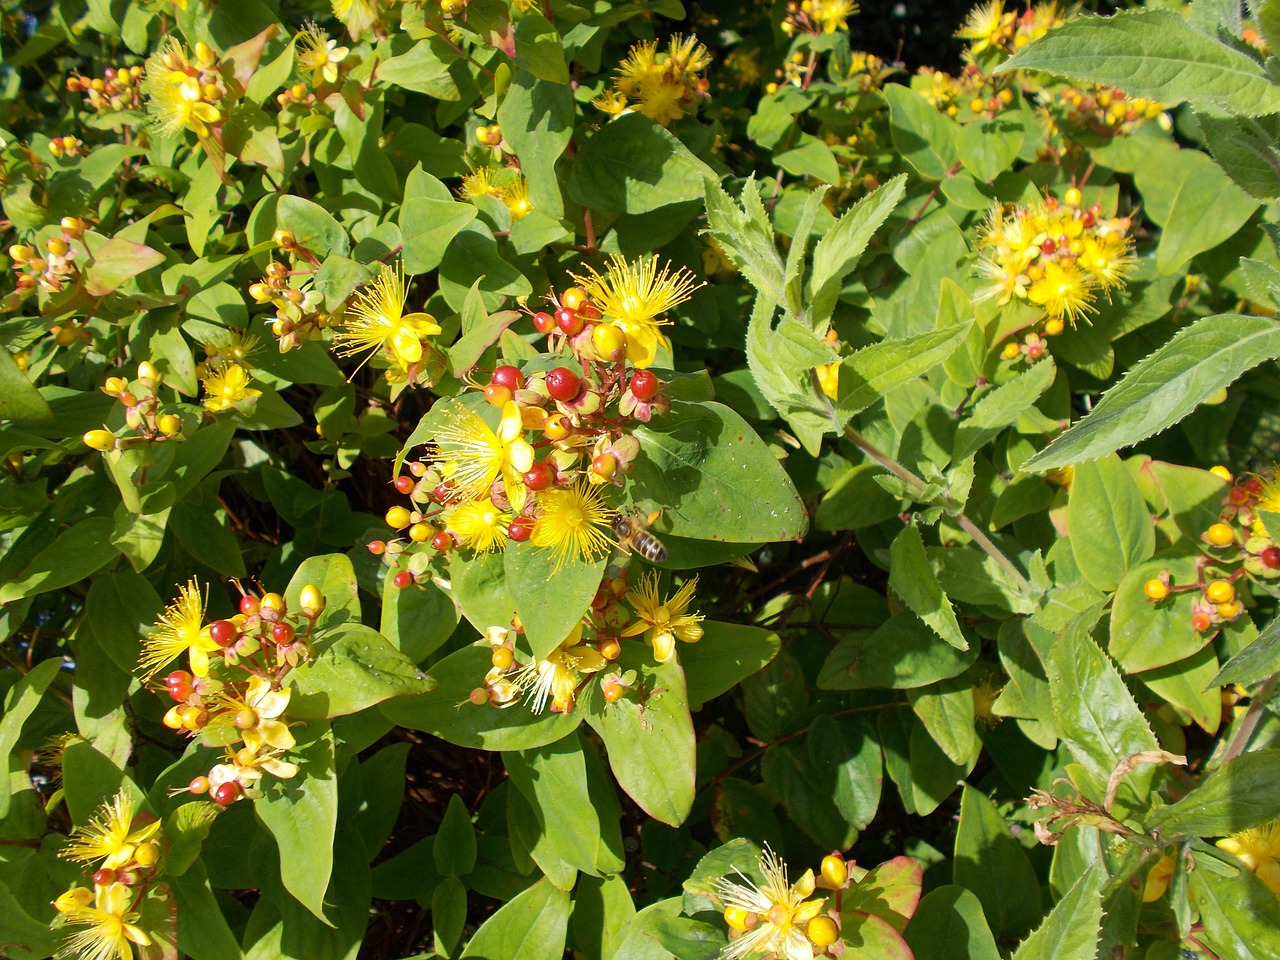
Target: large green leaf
649	736
1110	524
549	605
1241	916
714	479
19	399
726	655
336	578
991	863
632	165
530	927
1258	660
23	935
1238	795
900	654
21	702
1154	54
77	552
1146	635
357	669
1165	386
949	925
302	815
1071	930
912	578
868	374
925	138
837	254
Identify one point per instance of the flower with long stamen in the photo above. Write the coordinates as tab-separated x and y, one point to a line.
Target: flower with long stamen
226	387
181	629
319	55
556	678
110	926
109	836
664	622
478	525
775	914
377	321
573	521
1259	850
636	296
471	455
258	715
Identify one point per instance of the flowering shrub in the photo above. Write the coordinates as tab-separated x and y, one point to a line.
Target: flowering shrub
486	478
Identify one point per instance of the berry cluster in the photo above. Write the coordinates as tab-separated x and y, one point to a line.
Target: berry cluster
995	34
1240	547
144	415
67	146
288	288
242	708
52	270
117	89
1101	110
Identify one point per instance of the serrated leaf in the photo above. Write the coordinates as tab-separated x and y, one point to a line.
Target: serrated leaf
1239	795
1154	54
868	374
838	252
991	863
1071	930
912	578
1165	386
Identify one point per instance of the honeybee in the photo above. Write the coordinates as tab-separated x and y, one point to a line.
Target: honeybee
632	531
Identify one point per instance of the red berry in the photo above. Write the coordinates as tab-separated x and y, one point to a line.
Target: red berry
563	384
377	547
644	385
282	633
544	322
1253	485
497	394
520	529
404	483
540	476
223	632
442	542
1200	622
403	579
226	794
104	877
1048	246
1238	495
589	312
1271	557
507	376
249	605
443	492
569	322
178	678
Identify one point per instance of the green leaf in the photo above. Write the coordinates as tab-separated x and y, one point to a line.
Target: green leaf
539	50
532	926
845	754
1238	795
333	574
537	121
900	654
890	891
855	500
473	255
455	846
868	374
912	578
989	147
19	399
140	535
417	620
946	710
1246	149
26	937
745	232
358	668
790	776
1002	407
726	655
445	712
428	226
116	262
991	863
837	254
77	552
424	68
185	830
1093	710
1110	524
714	479
1189	195
1165	386
313	226
1154	54
549	606
448	913
924	137
1259	660
949	925
1071	930
1241	916
1146	635
632	165
21	702
302	815
649	737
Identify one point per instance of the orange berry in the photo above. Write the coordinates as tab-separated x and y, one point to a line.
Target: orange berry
1200	622
573	298
556	426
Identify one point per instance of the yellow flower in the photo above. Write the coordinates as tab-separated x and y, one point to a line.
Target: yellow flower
1158	878
1107	259
780	911
480	183
1259	850
665	622
265	707
985	693
318	54
833	15
226	387
110	925
377	321
829	378
573	521
635	296
557	677
471	455
659	99
182	95
640	63
1065	292
479	525
987	26
235	346
109	835
181	629
516	196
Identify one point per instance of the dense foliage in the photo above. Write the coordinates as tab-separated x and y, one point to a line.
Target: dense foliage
487	478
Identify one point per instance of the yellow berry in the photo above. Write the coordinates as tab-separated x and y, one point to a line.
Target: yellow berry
271	601
114	386
1220	591
1010	351
170	424
834	870
148	374
1053	326
823	931
146	854
609	340
502	658
976	104
397	517
100	440
1156	589
1220	535
1221	472
420	532
1073	197
311	599
737	918
57	246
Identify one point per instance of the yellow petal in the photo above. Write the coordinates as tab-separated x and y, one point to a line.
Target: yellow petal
664	646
